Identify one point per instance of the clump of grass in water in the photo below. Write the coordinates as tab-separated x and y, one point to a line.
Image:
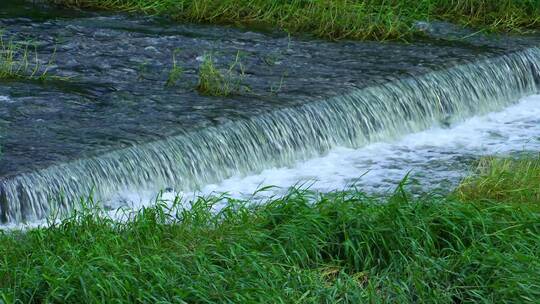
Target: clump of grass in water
303	248
176	71
18	62
504	179
339	19
214	82
142	69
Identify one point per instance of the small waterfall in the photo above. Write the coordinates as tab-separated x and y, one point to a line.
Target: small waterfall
280	137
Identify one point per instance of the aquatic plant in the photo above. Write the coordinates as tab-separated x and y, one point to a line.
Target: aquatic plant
302	248
214	82
175	72
276	88
142	69
18	62
370	19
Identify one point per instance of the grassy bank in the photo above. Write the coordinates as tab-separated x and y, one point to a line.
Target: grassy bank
336	19
472	246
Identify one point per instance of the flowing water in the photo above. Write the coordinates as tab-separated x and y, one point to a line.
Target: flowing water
112	128
434	160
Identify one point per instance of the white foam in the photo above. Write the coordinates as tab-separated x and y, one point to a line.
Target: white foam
435	158
5	99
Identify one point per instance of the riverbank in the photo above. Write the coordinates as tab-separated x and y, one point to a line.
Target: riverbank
479	244
342	19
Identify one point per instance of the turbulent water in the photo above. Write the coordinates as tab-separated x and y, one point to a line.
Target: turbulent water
435	159
281	137
111	129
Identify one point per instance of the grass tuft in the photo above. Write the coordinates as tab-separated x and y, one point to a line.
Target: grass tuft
176	71
214	82
504	179
17	62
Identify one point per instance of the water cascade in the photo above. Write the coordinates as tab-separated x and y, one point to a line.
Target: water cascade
278	138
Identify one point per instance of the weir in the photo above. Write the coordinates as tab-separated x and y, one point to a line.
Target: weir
277	138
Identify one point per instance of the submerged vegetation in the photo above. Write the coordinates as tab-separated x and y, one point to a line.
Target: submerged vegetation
368	19
301	248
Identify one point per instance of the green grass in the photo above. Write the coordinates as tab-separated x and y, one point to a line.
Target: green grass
18	62
338	19
342	247
175	72
215	82
506	180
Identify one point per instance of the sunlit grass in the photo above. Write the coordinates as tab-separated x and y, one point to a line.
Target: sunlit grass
338	19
